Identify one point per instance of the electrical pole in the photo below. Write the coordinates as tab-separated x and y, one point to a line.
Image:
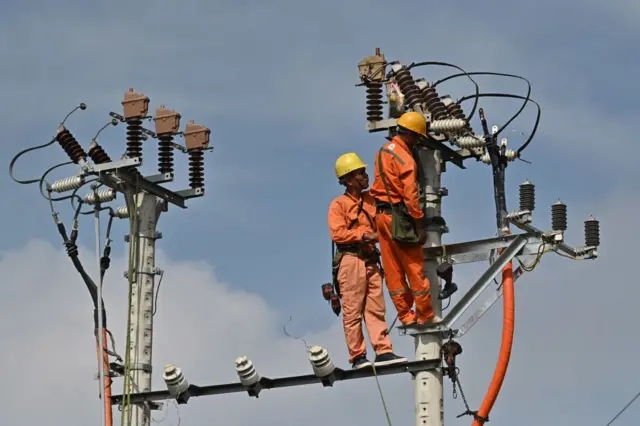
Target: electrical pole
142	249
429	401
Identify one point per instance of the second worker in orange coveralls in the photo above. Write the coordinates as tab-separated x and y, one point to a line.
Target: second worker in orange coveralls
395	189
352	227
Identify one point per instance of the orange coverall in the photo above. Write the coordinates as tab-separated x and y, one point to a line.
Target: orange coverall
360	282
400	259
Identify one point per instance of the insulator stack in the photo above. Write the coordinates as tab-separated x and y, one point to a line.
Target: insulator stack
196	168
67	184
592	232
447	126
70	145
102	195
134	137
559	216
97	154
121	212
320	361
433	103
165	153
469	142
527	196
455	110
374	101
408	87
246	371
175	380
510	155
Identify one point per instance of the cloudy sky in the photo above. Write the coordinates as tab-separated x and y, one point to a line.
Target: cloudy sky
275	83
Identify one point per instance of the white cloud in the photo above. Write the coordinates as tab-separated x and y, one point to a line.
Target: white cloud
574	342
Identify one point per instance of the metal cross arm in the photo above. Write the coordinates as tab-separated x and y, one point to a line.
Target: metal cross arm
575	253
480	250
283	382
514	248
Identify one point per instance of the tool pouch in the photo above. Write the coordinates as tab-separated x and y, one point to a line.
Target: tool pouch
403	227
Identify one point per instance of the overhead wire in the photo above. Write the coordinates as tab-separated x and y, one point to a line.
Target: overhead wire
445	64
510	96
625	408
497	74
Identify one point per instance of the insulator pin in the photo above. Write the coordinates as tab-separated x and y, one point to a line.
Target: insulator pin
103	196
98	154
469	142
592	232
121	212
246	371
67	184
407	86
447	126
559	216
374	101
509	154
196	168
527	196
70	145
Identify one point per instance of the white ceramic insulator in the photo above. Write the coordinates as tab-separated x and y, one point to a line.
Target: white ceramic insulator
509	153
175	380
246	371
321	361
447	125
104	196
67	184
469	142
122	212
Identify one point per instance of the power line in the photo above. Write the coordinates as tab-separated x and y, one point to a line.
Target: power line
629	404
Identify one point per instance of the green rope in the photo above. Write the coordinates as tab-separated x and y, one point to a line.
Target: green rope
384	403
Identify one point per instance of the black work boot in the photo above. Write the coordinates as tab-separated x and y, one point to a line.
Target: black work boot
361	362
388	359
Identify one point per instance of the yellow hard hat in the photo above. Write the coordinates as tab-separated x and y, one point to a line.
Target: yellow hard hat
414	121
347	163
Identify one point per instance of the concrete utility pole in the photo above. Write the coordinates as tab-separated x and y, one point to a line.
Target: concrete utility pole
429	402
142	246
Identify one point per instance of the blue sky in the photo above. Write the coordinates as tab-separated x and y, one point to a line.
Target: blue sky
275	83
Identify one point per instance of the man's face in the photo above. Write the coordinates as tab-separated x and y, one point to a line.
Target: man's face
359	179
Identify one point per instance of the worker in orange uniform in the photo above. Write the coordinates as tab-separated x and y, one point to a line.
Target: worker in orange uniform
358	280
399	221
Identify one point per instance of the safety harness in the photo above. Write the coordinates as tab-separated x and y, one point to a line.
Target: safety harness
371	256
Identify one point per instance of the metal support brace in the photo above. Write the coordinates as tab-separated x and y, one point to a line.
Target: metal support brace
444	328
485	279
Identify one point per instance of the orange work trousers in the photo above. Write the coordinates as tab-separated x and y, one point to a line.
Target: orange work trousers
362	298
400	260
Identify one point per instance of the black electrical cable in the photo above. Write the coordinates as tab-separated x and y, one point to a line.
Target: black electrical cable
44	177
445	64
498	166
12	163
20	154
509	96
498	74
623	409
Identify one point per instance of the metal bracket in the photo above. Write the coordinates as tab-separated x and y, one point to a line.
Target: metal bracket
146	271
557	243
141	183
110	166
448	154
160	178
191	193
157	236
